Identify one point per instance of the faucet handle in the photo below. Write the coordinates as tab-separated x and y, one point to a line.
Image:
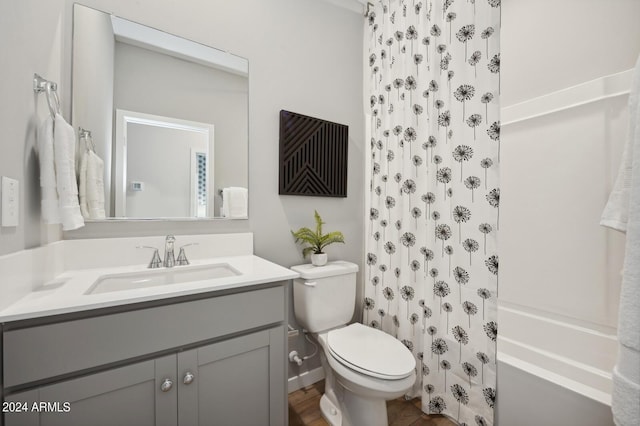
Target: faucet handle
182	257
156	262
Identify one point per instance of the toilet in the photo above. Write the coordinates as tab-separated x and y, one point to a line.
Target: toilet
364	367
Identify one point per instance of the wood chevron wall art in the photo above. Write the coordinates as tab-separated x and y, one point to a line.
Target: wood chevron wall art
313	156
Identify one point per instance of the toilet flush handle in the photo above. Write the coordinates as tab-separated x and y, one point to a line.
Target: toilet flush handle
310	283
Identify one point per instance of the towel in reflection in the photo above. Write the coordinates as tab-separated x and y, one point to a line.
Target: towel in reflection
91	185
235	202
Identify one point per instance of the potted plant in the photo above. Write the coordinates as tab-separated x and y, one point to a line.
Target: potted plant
316	241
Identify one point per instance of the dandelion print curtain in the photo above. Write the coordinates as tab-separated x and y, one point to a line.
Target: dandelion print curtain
432	90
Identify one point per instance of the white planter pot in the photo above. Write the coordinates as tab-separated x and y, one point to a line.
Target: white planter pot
319	259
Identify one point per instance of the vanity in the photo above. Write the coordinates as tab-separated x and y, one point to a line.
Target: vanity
209	351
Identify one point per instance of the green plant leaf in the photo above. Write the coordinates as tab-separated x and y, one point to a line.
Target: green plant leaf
319	223
316	241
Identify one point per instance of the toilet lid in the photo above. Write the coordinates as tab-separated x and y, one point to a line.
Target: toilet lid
371	352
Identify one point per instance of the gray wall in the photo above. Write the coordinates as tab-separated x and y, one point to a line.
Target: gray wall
31	42
164	166
304	56
93	73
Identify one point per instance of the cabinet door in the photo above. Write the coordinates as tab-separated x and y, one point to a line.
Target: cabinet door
128	395
238	382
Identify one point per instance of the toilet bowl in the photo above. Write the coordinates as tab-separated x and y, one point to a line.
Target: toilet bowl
364	367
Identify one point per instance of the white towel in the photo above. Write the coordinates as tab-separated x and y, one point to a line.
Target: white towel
64	148
235	202
615	214
91	185
49	204
95	186
82	182
623	213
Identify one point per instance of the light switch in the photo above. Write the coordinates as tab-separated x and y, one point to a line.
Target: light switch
10	201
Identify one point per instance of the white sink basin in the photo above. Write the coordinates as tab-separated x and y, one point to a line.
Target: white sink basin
158	277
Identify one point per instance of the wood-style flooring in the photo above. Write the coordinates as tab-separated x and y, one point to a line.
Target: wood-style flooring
304	410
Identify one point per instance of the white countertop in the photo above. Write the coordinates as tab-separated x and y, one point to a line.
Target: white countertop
66	293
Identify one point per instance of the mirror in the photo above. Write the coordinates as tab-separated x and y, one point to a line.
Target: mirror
168	116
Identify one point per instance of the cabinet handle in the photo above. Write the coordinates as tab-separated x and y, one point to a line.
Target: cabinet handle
310	283
188	378
166	385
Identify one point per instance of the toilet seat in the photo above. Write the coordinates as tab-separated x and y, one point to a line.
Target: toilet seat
371	352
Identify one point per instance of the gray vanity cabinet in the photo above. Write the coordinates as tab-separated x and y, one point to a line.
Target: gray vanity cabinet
236	382
208	370
122	396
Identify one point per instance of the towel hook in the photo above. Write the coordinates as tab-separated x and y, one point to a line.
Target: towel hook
86	135
50	88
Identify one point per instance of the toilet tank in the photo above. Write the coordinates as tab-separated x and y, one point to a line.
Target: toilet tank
324	297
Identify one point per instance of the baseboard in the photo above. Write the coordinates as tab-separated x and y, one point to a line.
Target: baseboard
304	379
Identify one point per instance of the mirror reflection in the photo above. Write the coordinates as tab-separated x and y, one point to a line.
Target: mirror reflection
168	116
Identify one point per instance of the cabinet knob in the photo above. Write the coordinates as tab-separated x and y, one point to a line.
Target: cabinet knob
166	385
188	378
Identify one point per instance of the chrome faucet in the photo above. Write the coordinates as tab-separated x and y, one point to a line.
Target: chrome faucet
155	262
169	258
182	256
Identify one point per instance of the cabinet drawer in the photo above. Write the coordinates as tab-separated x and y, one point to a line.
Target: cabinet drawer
40	352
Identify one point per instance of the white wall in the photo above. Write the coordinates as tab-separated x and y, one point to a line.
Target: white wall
304	56
559	269
548	45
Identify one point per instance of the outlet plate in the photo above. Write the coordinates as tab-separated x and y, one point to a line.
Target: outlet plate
10	201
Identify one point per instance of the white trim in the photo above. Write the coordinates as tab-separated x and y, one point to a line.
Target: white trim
357	6
575	356
555	378
606	87
304	379
556	319
150	38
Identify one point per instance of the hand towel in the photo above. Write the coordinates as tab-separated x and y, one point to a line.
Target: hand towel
82	183
235	202
95	186
615	214
49	203
623	213
64	149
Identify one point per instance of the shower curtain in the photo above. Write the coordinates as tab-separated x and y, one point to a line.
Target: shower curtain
432	83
